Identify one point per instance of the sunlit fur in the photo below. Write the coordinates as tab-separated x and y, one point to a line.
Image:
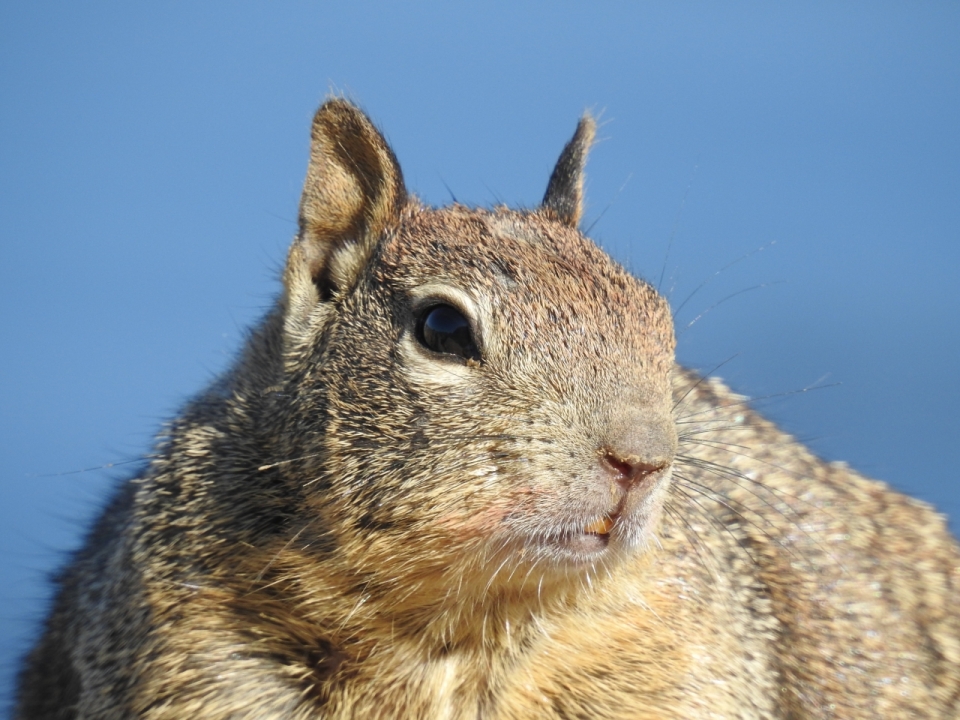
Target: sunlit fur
349	525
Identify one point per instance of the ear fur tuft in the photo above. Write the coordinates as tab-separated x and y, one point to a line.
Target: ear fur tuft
564	196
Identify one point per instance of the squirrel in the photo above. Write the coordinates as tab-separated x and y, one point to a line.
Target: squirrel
456	472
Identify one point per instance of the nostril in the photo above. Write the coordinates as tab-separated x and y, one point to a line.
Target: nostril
621	468
630	470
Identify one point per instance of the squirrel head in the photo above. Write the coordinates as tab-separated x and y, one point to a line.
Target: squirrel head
478	400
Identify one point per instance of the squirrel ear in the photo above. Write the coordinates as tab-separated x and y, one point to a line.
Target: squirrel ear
564	196
353	191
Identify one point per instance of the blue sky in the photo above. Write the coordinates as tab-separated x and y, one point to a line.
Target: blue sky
151	158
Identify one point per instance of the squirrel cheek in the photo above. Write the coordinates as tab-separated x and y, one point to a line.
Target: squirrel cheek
480	523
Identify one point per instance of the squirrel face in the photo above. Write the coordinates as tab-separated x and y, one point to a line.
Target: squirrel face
464	423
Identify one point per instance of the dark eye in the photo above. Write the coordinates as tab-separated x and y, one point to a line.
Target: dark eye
444	329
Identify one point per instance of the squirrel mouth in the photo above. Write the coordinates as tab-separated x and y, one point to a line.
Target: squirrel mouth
591	540
595	536
588	542
603	526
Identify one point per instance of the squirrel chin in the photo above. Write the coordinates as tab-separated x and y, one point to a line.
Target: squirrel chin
584	546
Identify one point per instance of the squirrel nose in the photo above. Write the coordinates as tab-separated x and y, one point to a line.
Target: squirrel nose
640	449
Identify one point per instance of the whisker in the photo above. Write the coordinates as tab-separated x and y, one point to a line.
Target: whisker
725	502
702	378
718	272
793	519
286	545
105	466
695	542
735	476
748	402
713	519
721	302
676	224
278	463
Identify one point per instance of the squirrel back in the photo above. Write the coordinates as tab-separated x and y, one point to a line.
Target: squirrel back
456	473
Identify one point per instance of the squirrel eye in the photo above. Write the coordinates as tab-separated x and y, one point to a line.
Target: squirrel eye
444	329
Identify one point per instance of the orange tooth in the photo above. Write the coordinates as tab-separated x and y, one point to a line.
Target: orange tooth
599	527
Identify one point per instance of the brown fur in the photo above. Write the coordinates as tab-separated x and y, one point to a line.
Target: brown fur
348	524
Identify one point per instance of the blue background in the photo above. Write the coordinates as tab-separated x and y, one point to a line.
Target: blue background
151	162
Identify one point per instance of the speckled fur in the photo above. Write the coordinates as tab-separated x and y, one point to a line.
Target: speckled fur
347	525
